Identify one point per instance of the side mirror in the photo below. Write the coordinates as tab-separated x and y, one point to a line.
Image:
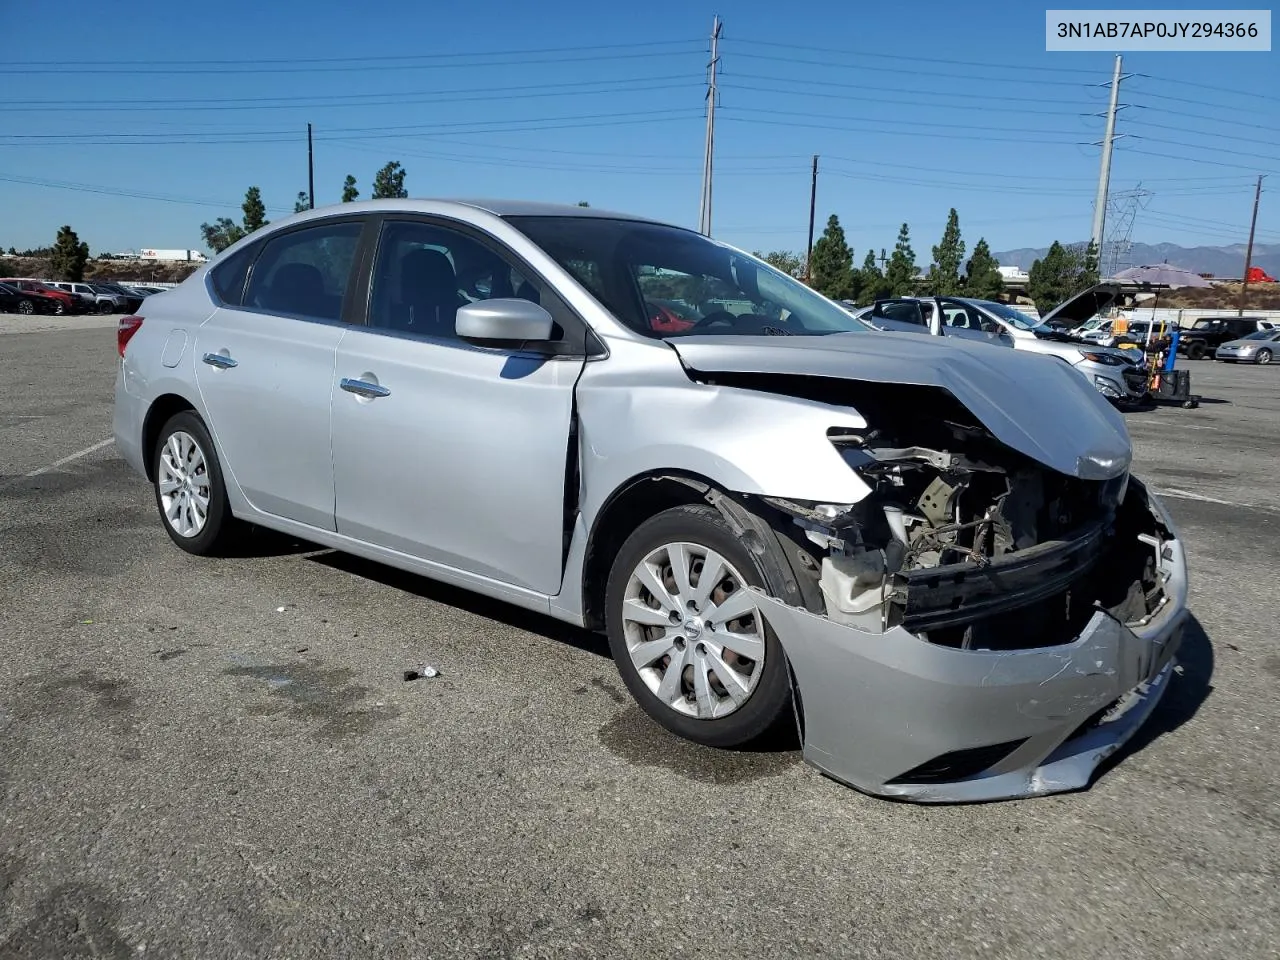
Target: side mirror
503	319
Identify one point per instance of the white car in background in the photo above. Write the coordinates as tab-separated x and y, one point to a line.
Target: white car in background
1114	373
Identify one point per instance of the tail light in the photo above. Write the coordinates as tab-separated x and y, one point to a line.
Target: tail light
125	330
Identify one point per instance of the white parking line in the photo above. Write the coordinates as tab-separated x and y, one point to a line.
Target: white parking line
75	456
1188	495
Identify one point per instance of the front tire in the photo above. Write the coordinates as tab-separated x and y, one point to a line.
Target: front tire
26	307
1196	350
694	651
190	493
1264	356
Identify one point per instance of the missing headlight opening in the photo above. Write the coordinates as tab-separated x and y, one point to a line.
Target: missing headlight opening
969	544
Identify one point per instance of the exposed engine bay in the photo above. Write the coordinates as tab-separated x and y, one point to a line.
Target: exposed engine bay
969	544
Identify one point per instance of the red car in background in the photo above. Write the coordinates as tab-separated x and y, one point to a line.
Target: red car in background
65	302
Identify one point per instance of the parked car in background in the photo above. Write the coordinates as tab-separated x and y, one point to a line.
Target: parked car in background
13	300
1115	374
929	557
1105	333
118	298
132	299
93	300
1203	337
66	302
1258	347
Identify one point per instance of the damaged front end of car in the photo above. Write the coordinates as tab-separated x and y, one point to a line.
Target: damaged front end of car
993	627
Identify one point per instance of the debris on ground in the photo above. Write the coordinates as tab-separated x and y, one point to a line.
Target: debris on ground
425	672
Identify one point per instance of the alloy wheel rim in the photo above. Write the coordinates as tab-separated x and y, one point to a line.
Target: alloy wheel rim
692	631
1264	356
184	485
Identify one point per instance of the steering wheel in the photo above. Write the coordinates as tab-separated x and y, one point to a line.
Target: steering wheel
719	317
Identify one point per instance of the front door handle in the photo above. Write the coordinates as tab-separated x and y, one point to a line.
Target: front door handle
364	388
219	360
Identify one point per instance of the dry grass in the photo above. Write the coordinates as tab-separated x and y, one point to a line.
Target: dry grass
123	271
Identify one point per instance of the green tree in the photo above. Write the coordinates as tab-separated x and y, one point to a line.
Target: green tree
302	203
900	275
583	203
349	190
944	273
255	213
831	269
982	278
1089	266
221	234
69	255
792	264
1061	274
389	182
872	285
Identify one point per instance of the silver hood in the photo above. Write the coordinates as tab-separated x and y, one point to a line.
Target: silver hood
1038	405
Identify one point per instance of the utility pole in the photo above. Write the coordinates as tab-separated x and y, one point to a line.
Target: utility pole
311	170
1104	174
704	215
813	203
1248	251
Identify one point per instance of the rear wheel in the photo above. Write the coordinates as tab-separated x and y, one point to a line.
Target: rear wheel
59	308
685	632
1264	356
26	306
190	492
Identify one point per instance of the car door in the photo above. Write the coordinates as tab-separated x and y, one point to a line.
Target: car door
900	316
444	450
969	323
264	365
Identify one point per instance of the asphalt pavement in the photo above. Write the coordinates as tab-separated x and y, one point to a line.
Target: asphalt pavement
220	758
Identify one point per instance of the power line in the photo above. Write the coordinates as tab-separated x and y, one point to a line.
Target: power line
396	101
131	194
869	55
878	98
1201	160
894	133
1208	86
1021	81
866	89
368	64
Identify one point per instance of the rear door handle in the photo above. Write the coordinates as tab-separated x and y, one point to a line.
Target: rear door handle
220	361
364	388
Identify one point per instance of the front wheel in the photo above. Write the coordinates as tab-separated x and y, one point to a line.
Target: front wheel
190	492
1196	350
1264	356
685	632
26	306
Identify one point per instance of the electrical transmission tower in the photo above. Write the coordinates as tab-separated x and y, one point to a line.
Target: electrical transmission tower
1122	211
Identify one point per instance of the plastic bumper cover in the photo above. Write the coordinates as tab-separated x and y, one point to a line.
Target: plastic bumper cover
879	707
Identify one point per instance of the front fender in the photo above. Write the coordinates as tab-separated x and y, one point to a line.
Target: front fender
647	416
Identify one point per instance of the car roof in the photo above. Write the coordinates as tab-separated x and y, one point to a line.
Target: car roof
497	207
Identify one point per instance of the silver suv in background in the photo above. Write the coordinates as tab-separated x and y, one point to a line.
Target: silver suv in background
1112	372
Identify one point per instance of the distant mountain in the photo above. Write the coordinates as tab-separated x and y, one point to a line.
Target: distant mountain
1220	261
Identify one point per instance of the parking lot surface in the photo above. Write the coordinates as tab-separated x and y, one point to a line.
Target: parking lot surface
220	758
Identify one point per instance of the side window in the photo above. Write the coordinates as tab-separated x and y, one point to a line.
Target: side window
229	276
304	273
903	311
423	273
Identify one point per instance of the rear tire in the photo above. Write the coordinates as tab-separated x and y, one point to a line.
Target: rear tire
59	308
1264	356
189	489
733	685
26	307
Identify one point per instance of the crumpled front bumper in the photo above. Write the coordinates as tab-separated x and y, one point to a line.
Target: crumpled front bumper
895	716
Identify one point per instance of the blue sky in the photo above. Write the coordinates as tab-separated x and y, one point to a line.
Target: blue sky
913	109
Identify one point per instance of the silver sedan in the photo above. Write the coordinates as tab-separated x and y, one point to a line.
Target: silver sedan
1257	347
928	556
